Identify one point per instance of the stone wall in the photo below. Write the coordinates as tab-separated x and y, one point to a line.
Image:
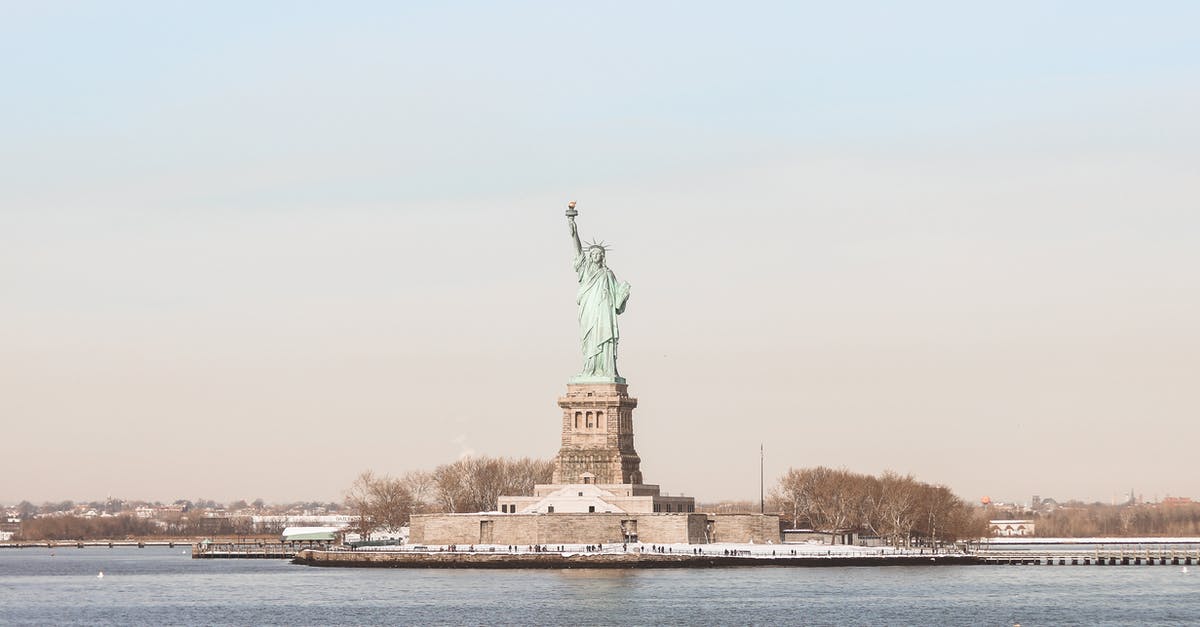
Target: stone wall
757	528
527	529
671	528
599	528
621	559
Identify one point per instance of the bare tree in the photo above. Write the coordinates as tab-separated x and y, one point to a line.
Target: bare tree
475	484
869	504
379	502
936	505
836	494
822	498
470	484
423	489
391	503
793	495
893	506
898	508
358	499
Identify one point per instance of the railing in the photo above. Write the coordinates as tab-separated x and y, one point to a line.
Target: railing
1095	556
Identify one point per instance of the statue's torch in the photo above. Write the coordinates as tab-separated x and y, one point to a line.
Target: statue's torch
571	213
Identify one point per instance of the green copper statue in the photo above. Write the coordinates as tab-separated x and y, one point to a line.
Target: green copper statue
600	299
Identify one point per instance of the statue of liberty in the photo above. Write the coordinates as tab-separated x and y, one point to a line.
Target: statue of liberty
600	300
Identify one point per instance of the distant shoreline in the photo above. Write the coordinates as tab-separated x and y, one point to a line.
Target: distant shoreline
138	542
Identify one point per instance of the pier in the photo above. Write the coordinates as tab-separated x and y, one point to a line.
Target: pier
1093	557
53	544
201	549
245	550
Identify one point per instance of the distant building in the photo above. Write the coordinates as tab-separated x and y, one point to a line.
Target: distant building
168	513
11	525
1039	504
324	535
812	536
275	524
1008	528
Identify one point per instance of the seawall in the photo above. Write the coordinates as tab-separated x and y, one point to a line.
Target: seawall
384	559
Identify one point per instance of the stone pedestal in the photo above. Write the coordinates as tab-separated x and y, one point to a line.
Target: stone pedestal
597	436
597	471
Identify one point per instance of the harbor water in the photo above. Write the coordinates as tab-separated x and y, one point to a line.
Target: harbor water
163	586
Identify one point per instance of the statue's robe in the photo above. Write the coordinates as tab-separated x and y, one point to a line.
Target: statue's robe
600	299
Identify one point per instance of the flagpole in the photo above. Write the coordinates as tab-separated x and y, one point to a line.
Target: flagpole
762	502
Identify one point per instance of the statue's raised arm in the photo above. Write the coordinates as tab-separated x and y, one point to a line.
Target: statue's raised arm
600	299
571	213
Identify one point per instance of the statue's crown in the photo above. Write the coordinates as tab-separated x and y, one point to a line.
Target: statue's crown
598	244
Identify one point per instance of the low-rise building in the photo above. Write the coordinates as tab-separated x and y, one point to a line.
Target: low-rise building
812	536
276	523
1008	528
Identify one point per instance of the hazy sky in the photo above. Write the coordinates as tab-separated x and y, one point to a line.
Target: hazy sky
252	249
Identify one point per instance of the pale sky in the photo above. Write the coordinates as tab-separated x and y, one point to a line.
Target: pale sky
252	249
